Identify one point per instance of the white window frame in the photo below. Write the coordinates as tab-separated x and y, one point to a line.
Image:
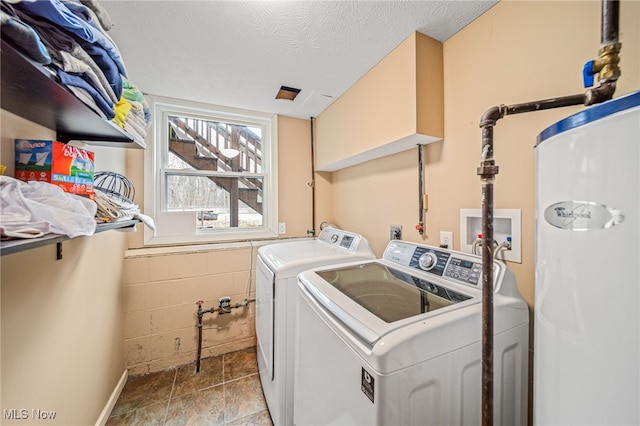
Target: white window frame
179	227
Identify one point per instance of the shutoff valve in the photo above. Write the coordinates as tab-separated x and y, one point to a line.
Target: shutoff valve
224	305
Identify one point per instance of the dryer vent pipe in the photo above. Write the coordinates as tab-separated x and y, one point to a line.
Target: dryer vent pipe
606	66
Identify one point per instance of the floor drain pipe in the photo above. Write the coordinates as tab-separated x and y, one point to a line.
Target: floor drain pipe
607	68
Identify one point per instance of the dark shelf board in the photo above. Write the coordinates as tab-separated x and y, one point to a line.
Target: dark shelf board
16	246
30	90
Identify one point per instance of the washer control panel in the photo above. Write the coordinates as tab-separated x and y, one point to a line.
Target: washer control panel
464	270
458	266
429	260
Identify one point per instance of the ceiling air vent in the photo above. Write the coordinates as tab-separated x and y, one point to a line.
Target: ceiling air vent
288	93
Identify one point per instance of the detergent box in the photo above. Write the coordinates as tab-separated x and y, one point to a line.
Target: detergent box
69	167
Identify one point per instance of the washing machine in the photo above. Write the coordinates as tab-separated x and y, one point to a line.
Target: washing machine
277	267
397	341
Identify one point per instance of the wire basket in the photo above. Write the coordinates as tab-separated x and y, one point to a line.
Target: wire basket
115	185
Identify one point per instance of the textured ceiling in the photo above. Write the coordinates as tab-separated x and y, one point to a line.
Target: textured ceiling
239	53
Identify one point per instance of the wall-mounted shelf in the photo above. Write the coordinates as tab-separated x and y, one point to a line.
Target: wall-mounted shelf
31	91
16	246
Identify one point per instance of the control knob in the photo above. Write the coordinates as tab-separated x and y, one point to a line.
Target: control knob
334	238
427	261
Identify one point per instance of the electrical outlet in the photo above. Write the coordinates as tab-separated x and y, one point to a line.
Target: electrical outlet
446	239
282	228
395	232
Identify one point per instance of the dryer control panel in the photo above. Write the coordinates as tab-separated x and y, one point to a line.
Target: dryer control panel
444	263
339	238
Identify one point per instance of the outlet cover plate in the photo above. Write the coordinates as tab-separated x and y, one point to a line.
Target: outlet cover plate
395	232
446	239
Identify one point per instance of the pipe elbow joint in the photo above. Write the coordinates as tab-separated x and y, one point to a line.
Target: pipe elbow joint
602	93
492	115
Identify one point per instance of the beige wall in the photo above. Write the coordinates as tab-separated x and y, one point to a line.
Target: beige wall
294	175
518	51
61	320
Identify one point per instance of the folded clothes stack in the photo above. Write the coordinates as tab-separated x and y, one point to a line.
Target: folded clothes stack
70	37
113	208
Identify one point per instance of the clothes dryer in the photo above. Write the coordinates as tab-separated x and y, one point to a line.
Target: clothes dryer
277	267
397	341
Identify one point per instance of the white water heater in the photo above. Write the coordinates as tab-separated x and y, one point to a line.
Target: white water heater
587	290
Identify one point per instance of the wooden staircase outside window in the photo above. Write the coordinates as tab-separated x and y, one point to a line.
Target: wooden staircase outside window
199	144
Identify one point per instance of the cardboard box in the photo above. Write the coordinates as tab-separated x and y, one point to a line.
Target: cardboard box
69	167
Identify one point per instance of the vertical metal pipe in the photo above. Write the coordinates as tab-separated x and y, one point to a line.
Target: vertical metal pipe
487	303
312	184
487	172
199	325
610	21
420	191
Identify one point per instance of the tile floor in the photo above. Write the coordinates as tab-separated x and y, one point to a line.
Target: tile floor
227	391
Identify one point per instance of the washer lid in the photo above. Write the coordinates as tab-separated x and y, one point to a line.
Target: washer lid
373	299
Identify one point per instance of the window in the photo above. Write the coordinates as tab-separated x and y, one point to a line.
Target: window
210	174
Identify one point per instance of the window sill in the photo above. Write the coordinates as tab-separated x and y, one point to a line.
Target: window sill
209	247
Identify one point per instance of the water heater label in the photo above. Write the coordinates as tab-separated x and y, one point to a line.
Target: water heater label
582	216
367	383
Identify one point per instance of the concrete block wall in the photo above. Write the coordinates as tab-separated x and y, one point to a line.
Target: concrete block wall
160	312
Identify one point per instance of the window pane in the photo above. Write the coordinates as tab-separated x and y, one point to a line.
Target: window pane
196	144
218	202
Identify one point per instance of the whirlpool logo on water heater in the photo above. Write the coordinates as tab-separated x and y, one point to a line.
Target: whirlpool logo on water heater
582	215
